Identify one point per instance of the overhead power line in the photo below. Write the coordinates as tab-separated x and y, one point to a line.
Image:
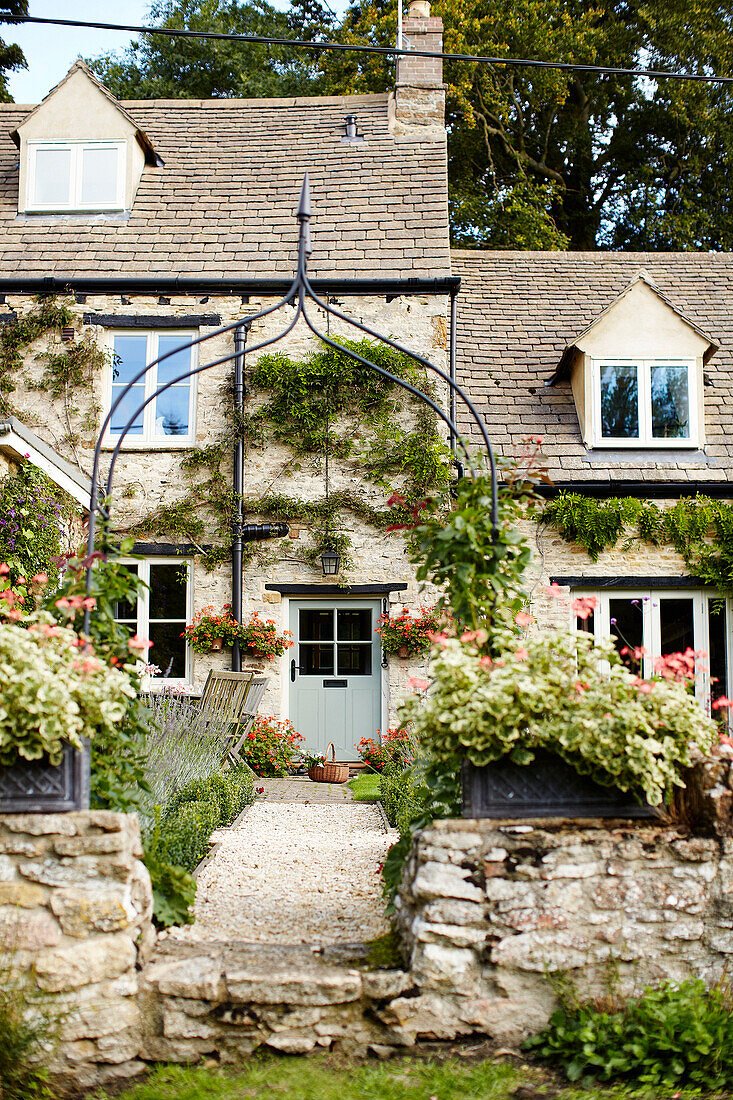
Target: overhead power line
391	51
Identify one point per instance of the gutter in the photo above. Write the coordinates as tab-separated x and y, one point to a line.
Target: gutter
649	490
52	284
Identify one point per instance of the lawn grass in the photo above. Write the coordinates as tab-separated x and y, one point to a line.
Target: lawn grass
366	787
326	1078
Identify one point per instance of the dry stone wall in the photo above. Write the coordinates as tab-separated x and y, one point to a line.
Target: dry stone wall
75	923
491	910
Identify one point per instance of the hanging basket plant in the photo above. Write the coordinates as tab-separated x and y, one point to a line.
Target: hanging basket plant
408	635
260	638
209	630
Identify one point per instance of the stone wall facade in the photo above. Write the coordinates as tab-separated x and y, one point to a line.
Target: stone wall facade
148	477
75	925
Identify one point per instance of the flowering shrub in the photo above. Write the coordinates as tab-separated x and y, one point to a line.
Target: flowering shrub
568	694
207	625
32	518
393	748
411	631
54	692
261	639
271	746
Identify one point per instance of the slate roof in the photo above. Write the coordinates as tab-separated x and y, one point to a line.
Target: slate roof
224	202
517	313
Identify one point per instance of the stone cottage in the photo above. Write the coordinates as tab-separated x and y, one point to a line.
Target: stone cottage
622	363
155	223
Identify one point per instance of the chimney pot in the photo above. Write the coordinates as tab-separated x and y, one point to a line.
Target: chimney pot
419	9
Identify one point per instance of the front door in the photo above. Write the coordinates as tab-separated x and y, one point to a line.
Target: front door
335	673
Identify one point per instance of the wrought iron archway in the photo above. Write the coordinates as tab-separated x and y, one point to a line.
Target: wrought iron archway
298	294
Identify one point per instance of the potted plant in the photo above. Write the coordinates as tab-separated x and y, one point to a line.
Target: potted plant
210	630
260	638
408	635
56	698
559	726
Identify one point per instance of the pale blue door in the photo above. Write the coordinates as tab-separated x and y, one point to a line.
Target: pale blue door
335	673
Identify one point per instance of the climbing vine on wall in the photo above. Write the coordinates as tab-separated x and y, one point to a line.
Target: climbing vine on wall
323	403
68	368
699	528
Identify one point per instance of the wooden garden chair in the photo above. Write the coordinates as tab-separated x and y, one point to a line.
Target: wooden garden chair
247	718
224	699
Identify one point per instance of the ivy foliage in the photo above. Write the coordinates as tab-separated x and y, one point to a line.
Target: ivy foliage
699	528
323	404
70	367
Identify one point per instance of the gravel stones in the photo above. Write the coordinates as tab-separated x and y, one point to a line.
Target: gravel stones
294	873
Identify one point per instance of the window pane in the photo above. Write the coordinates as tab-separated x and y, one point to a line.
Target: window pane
316	660
717	649
168	650
627	628
52	177
670	403
124	611
171	411
355	660
99	177
676	620
177	364
132	400
316	626
168	592
619	403
129	357
354	626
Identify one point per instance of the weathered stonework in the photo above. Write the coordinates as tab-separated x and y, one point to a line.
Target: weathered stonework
490	909
75	924
487	912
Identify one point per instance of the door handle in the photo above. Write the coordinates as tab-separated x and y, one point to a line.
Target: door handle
292	670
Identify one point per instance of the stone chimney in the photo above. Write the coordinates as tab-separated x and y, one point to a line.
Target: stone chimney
417	109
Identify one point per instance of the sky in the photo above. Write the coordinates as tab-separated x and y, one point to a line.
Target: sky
51	51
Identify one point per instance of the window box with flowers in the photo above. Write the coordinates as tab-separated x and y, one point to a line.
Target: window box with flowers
558	726
56	699
408	635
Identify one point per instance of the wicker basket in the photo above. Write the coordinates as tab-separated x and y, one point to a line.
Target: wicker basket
329	771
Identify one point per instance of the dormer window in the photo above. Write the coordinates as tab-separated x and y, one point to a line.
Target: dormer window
636	374
645	403
76	175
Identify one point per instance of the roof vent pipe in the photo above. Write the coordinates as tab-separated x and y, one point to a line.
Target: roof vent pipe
352	130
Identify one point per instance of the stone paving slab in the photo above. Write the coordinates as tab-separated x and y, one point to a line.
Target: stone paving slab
300	788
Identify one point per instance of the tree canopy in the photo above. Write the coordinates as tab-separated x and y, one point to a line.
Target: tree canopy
157	67
11	56
538	158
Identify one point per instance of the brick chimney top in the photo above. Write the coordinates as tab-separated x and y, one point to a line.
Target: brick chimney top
418	107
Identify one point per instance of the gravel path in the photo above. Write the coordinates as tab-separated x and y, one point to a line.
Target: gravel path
293	873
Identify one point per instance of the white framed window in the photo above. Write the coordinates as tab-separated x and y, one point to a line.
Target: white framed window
76	175
664	621
645	403
169	418
160	615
